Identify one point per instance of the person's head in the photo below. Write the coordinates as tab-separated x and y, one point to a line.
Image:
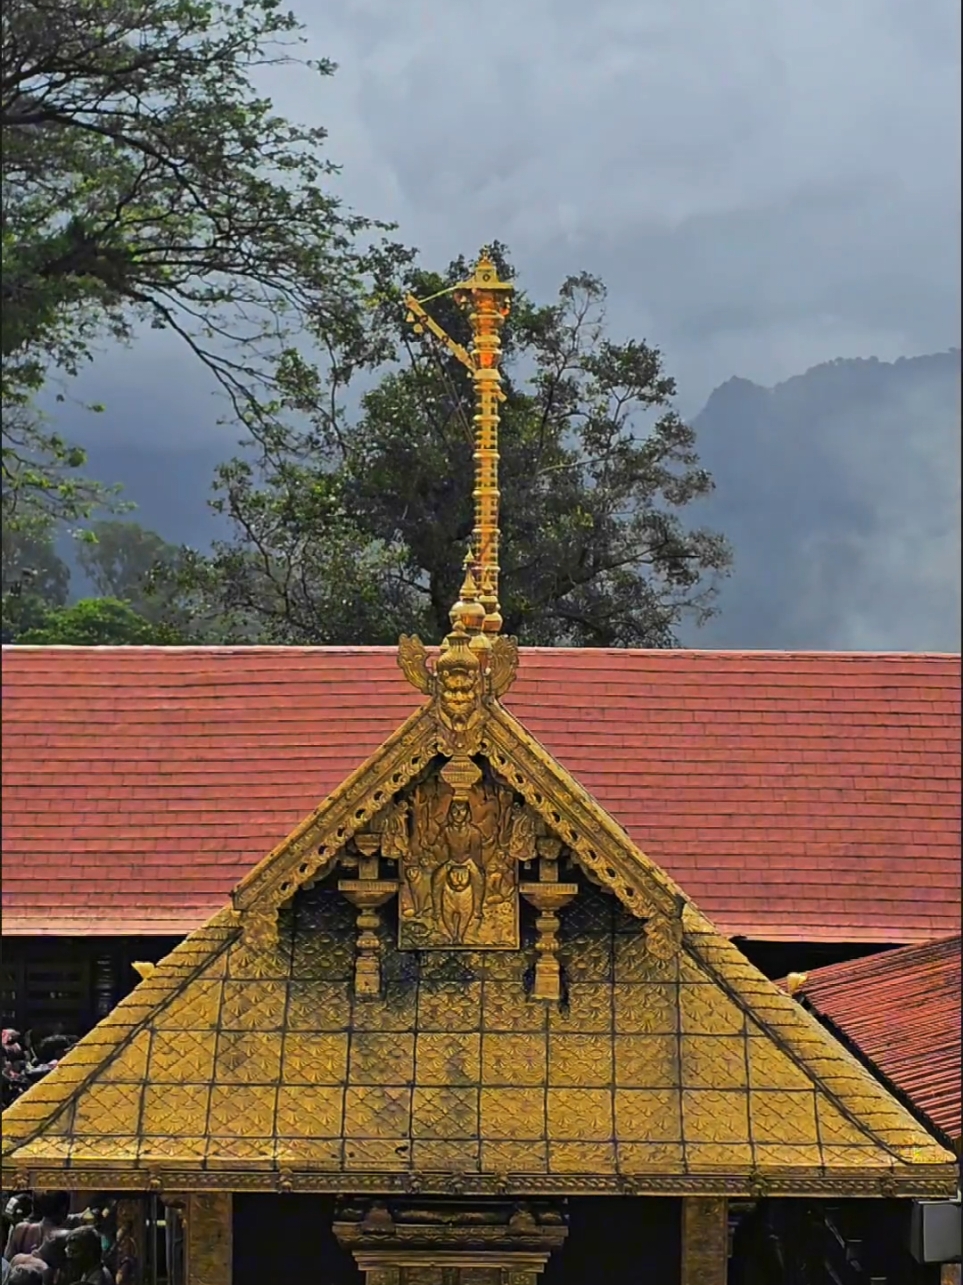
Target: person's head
21	1275
54	1206
84	1247
19	1207
53	1251
52	1048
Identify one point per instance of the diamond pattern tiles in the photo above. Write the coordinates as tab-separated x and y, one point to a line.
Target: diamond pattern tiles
267	1059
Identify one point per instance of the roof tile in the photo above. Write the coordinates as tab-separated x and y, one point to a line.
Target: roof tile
794	796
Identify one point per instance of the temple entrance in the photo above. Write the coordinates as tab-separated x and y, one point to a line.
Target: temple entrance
620	1240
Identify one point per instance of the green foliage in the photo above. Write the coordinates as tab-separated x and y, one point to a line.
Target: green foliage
98	622
128	562
351	531
145	180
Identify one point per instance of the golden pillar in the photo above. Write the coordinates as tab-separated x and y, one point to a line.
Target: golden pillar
208	1238
705	1240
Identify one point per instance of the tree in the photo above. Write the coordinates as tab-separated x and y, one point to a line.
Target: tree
145	180
124	560
34	577
353	530
98	622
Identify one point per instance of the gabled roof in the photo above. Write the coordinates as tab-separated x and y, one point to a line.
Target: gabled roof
901	1008
796	796
249	1060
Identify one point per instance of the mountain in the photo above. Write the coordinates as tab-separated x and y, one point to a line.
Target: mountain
840	491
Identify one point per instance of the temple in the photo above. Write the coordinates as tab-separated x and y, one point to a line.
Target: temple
457	1028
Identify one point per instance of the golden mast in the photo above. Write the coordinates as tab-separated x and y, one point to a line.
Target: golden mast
477	612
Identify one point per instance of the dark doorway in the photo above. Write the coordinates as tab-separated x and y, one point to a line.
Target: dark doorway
621	1240
287	1240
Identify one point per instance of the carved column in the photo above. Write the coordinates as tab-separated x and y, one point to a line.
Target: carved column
131	1241
705	1240
208	1236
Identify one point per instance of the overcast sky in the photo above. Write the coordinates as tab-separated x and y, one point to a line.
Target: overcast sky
764	184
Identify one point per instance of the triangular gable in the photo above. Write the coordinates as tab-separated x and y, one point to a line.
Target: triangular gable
251	1057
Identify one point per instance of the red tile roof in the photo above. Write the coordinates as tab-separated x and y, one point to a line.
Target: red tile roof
902	1009
797	797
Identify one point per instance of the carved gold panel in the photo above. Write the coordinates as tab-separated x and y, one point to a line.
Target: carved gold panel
318	1006
508	1008
309	1111
648	1115
109	1108
195	1009
377	1153
589	1009
770	1068
449	1006
178	1056
581	1157
506	1157
459	1155
314	1058
372	1111
208	1238
131	1062
458	865
242	1111
713	1062
443	1112
642	1009
253	1006
783	1156
719	1157
647	1061
179	1110
247	1057
580	1060
513	1059
784	1117
834	1128
715	1116
318	1153
704	1010
651	1157
448	1058
579	1114
381	1057
394	1011
513	1113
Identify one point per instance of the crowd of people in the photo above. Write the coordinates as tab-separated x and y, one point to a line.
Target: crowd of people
28	1058
45	1244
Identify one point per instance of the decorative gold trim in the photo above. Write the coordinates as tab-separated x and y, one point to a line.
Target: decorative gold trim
940	1182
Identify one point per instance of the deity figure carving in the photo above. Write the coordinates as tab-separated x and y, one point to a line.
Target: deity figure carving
458	853
460	688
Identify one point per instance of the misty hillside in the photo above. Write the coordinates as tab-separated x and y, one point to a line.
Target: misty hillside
839	489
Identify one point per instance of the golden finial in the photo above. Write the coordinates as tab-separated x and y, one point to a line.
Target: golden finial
487	298
468	613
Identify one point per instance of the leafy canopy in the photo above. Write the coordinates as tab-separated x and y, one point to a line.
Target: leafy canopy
145	180
354	528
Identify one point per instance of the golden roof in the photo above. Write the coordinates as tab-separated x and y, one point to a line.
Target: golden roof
455	1017
249	1059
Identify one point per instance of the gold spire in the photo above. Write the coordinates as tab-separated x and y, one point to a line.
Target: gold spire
477	611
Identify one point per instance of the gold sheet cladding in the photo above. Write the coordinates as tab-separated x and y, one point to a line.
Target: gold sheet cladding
267	1071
